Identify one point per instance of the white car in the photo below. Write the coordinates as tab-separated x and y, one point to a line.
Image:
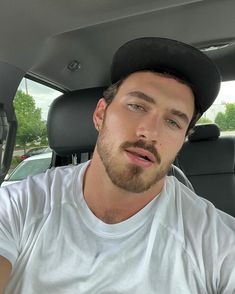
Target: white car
30	166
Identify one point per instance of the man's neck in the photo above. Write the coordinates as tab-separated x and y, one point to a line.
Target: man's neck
108	202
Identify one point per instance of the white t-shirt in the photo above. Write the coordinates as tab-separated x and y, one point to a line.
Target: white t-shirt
177	244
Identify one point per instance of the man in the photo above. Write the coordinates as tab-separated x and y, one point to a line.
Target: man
118	224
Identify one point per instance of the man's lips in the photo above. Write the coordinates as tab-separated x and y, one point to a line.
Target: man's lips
142	153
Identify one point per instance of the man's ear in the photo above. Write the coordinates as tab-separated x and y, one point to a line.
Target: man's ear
98	115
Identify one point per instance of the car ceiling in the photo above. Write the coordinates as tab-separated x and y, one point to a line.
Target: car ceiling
42	38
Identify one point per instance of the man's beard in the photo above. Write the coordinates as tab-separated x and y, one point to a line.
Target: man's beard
129	177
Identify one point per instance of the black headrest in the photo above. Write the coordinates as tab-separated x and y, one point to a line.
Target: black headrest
204	132
70	124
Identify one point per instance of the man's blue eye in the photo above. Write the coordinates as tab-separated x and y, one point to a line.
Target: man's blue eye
135	107
173	123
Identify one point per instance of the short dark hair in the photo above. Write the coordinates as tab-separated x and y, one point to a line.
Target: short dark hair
112	90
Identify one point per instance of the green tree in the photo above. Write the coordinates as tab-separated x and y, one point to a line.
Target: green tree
226	120
230	116
31	127
204	120
221	121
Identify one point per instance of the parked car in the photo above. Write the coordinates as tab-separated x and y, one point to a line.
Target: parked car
36	151
30	166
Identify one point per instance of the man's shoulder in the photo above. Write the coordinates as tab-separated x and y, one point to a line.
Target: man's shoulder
43	187
191	200
205	234
198	216
37	196
62	173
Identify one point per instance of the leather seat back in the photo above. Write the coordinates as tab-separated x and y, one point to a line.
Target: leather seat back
208	160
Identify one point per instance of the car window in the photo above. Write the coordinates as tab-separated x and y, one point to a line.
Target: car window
30	168
222	112
32	102
36	151
42	95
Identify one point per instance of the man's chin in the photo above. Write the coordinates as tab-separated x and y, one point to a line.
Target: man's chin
134	179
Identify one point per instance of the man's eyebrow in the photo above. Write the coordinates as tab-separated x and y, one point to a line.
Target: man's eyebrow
180	114
142	96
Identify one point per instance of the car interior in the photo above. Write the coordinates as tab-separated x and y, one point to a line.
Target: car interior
68	46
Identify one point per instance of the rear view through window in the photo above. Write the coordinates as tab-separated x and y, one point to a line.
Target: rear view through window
30	168
222	112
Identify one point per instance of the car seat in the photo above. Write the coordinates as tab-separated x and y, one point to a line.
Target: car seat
208	160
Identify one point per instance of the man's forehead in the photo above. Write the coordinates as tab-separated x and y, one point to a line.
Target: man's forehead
144	78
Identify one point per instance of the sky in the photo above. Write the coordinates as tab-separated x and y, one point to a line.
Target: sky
43	95
227	93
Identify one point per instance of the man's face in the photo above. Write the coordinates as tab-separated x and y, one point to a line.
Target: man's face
143	129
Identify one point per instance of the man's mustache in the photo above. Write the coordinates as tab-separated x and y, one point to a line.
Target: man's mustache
142	144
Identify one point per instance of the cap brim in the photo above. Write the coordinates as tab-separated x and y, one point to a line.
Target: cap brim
170	56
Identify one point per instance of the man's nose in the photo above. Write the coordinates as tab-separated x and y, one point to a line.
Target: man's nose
149	129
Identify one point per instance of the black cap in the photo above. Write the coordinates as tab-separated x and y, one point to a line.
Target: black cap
172	57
